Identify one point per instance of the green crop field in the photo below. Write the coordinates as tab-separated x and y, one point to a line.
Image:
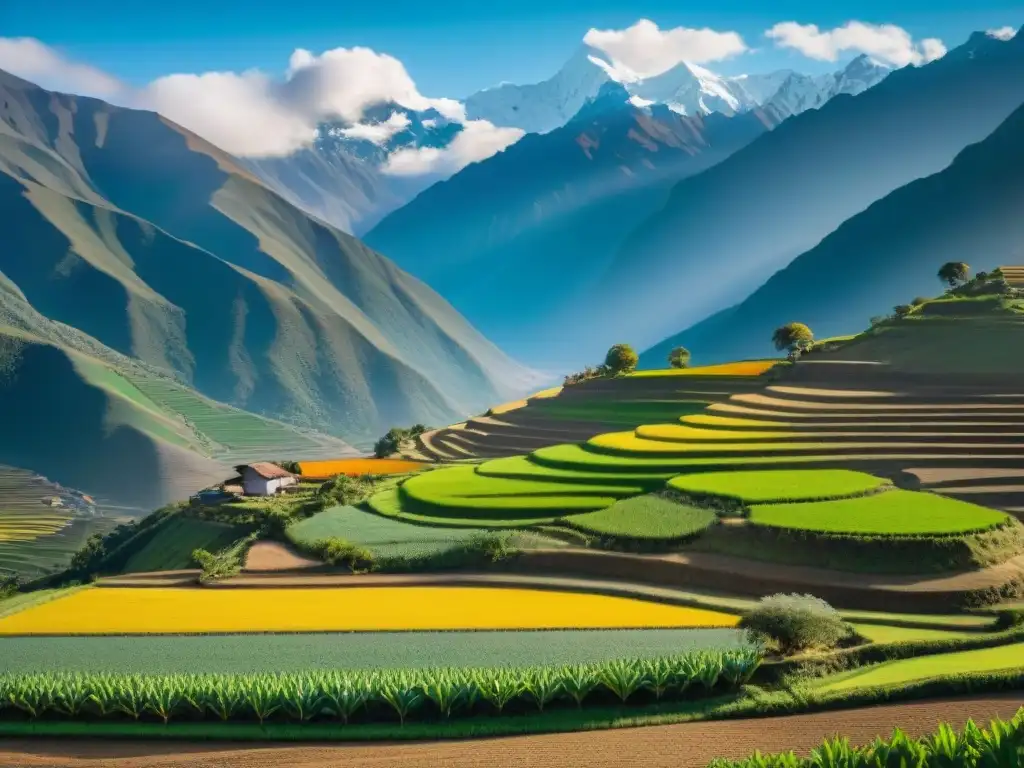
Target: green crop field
923	667
573	457
384	536
779	485
171	548
351	650
646	517
241	434
461	490
632	412
894	513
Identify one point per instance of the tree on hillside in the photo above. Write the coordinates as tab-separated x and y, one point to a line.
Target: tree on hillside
902	310
792	336
679	357
954	273
621	358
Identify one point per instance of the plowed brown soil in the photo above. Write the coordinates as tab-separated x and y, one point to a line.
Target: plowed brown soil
678	746
275	556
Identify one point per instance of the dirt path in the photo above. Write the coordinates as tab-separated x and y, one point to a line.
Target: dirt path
679	746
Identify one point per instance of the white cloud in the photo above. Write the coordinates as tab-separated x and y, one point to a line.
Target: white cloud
252	113
1003	33
644	50
32	60
885	42
380	132
478	140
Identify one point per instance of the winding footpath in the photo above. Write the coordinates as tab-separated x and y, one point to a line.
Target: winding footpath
687	745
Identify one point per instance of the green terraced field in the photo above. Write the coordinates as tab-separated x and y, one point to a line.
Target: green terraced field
390	504
171	548
779	485
924	667
524	468
240	433
894	513
353	650
646	517
462	491
616	411
576	457
385	537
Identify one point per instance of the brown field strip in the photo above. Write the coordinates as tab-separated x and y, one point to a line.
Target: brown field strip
778	402
686	745
275	556
931	475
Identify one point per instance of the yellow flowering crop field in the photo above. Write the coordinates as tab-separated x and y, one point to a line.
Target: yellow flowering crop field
741	368
357	609
321	470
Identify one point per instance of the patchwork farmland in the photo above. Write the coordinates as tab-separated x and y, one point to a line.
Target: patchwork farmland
609	552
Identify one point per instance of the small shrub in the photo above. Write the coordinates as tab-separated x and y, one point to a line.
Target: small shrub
902	310
344	553
918	301
679	357
590	372
392	441
621	358
8	586
954	273
795	623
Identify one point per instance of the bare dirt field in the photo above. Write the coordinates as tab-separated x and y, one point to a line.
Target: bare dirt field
678	746
275	556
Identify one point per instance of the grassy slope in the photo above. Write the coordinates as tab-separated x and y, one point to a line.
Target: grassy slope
646	517
269	309
172	547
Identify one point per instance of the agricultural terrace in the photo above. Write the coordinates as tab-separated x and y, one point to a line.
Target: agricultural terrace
896	513
323	470
754	487
739	368
351	609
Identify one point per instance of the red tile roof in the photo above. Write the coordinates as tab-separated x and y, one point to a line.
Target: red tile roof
269	471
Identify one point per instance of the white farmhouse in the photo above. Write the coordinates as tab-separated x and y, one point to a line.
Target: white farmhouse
264	478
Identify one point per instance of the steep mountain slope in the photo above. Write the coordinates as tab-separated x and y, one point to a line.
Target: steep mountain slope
970	211
725	231
342	177
162	247
514	241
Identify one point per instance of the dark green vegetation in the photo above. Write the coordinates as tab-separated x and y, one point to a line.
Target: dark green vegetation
888	253
357	650
795	623
649	518
392	441
172	547
373	695
1000	744
133	247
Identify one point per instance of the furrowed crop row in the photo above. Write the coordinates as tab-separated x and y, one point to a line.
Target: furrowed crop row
1001	744
368	695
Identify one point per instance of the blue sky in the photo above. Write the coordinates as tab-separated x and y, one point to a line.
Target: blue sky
450	47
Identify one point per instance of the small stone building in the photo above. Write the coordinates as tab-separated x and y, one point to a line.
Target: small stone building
264	478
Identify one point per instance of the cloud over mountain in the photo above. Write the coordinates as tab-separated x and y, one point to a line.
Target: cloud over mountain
644	50
885	42
252	114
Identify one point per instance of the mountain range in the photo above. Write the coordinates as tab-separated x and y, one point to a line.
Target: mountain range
127	238
970	211
686	88
724	232
515	241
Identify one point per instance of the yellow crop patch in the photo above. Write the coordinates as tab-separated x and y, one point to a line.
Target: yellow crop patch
742	368
357	467
683	433
359	609
710	420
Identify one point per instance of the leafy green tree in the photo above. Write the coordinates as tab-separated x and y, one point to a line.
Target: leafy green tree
954	273
621	358
919	300
902	310
679	357
792	336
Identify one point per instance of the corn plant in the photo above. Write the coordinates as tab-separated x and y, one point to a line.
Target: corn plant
543	685
344	695
578	681
498	687
622	678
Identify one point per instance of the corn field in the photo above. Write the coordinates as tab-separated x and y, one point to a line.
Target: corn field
1001	745
376	695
